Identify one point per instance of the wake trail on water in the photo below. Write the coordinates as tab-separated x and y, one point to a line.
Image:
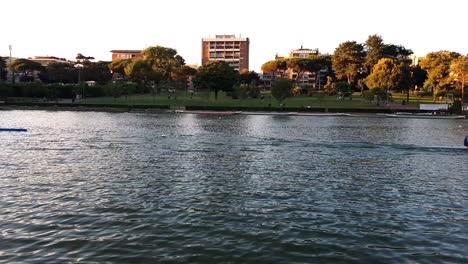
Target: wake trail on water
364	145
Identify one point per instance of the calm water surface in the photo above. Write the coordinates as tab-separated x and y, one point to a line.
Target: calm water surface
87	187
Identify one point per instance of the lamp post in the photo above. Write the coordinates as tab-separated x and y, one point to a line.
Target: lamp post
79	67
12	72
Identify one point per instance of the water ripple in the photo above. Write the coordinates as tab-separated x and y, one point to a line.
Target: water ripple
145	188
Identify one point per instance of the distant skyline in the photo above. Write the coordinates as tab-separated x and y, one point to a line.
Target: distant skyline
93	28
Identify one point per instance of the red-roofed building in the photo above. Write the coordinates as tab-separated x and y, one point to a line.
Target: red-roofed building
125	54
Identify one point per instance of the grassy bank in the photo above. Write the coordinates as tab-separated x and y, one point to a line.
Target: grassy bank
205	100
208	99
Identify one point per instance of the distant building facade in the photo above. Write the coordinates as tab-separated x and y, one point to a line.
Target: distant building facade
189	82
125	54
229	48
303	53
306	80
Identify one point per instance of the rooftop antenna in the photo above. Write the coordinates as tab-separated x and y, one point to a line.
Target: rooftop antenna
301	44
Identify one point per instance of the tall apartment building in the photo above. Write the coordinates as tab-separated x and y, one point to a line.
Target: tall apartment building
229	48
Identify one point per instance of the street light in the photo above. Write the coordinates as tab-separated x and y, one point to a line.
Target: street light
79	67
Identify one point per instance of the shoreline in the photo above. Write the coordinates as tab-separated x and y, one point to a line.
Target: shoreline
206	110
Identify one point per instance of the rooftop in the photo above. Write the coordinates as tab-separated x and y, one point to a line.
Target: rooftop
125	51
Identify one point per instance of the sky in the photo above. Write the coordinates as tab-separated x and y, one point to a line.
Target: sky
63	28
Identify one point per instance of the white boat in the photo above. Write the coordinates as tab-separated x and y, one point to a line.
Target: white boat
320	114
266	113
424	116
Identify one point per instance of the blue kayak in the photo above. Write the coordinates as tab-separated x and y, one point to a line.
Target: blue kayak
13	129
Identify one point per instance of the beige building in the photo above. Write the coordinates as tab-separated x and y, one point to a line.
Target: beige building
306	80
229	48
125	54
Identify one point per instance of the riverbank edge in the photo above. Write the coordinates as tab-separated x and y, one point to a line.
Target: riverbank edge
167	108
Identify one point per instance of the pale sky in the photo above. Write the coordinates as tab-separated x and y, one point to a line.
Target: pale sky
63	28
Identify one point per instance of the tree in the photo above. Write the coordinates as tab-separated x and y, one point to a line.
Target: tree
182	75
397	52
3	70
437	64
59	72
118	66
216	76
163	60
418	76
140	71
375	47
97	71
402	76
343	88
348	61
459	73
248	77
27	67
390	74
281	89
81	58
276	66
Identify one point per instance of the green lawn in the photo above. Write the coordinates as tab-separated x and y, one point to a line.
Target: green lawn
208	99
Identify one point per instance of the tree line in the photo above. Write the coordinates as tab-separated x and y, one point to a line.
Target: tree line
380	67
373	66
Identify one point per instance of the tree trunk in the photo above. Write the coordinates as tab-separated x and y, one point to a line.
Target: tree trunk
463	90
216	94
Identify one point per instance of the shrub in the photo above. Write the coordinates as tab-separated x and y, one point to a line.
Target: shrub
281	89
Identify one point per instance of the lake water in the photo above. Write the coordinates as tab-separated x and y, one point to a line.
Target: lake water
90	187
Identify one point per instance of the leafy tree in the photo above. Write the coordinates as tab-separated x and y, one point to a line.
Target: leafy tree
459	73
163	60
3	70
141	72
276	66
378	94
402	76
437	64
81	58
245	90
183	72
418	76
281	89
397	52
216	76
343	88
27	67
248	77
329	87
59	72
381	76
348	60
374	51
118	66
96	71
